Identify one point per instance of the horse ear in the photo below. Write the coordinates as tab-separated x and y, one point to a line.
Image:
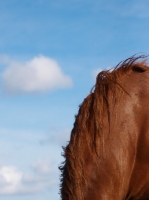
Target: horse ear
138	69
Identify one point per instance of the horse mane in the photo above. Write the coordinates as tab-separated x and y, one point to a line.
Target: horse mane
73	175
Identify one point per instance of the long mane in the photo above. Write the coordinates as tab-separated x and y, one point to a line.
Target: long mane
87	132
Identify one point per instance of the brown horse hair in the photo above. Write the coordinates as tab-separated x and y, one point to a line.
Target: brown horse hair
73	175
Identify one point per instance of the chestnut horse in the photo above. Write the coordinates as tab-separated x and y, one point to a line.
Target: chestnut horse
107	157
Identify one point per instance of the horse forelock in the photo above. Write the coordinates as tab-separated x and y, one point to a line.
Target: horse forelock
88	126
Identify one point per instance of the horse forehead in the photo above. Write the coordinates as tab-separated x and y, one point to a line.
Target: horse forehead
136	82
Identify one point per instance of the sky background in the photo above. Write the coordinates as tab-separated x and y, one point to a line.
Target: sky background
50	54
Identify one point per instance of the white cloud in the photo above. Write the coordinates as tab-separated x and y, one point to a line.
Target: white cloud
41	74
14	181
10	179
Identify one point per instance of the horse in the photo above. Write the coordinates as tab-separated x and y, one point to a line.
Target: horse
107	157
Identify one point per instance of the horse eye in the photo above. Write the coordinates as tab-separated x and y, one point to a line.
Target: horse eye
138	69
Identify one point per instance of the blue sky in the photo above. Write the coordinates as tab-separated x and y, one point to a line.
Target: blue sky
50	53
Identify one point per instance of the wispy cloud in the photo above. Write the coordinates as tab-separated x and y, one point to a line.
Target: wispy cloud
95	72
56	136
4	59
38	75
42	166
135	8
138	9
